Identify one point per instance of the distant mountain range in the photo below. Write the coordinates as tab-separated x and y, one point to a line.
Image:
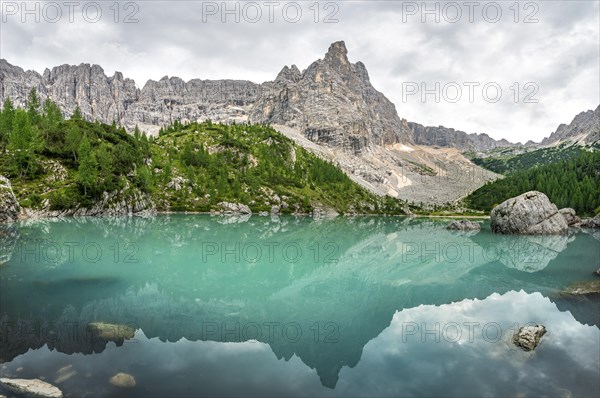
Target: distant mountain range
332	102
330	108
584	129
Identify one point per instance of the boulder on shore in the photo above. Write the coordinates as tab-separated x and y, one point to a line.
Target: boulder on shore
32	387
528	337
531	213
233	208
9	206
464	225
570	217
591	222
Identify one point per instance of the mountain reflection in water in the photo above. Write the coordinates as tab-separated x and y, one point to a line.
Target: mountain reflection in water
367	306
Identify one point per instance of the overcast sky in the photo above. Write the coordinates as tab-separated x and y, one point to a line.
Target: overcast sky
551	54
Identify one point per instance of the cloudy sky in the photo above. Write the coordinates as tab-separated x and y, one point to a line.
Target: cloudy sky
512	71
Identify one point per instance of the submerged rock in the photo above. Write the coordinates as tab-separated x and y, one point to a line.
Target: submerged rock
123	380
9	206
32	387
531	213
583	288
570	217
528	337
64	374
464	225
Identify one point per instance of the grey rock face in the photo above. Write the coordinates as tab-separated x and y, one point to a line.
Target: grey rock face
528	337
591	222
332	101
464	225
584	128
32	387
529	214
570	217
9	206
448	137
109	99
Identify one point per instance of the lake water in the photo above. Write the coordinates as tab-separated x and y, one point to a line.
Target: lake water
366	306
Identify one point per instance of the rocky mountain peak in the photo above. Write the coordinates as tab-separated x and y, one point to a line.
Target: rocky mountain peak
585	129
337	56
289	74
332	103
361	71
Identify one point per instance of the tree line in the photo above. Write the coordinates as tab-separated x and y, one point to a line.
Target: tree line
99	156
571	183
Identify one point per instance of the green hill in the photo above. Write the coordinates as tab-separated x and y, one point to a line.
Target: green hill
574	182
504	161
68	163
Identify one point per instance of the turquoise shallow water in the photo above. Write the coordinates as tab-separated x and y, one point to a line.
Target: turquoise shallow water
295	307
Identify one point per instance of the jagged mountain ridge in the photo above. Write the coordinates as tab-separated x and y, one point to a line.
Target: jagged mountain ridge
332	102
449	137
583	129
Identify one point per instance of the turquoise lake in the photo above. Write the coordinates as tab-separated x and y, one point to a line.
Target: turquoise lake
364	306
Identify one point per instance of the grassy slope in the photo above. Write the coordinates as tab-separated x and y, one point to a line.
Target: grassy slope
214	163
251	164
504	161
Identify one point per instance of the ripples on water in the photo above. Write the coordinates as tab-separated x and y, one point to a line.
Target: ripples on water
295	307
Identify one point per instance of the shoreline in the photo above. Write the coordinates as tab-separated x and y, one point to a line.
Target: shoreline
25	217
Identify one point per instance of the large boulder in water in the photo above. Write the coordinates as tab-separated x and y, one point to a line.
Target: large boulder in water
531	213
9	206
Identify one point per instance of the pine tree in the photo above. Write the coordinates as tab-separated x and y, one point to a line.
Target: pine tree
52	115
77	114
23	142
105	166
87	172
33	106
72	140
6	120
